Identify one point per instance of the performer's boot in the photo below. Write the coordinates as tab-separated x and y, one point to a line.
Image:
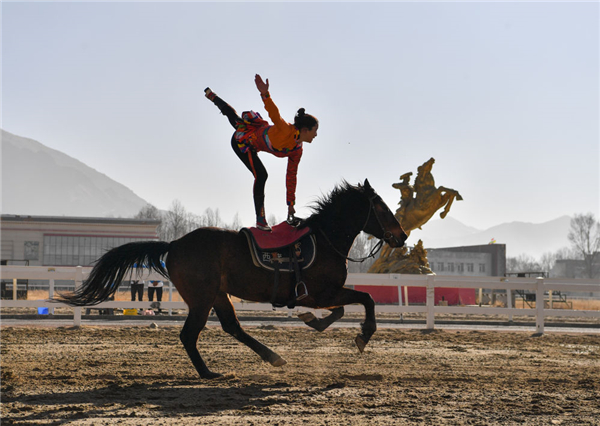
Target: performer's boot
261	221
226	109
223	106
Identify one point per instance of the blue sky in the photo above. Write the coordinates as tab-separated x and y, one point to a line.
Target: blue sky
504	95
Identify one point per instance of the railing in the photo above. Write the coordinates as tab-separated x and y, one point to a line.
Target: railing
430	282
539	285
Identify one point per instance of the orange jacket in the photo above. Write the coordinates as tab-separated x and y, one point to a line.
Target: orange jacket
282	136
280	139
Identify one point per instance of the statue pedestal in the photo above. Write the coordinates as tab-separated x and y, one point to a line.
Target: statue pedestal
402	261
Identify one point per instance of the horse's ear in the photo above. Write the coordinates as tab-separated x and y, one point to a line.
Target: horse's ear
367	184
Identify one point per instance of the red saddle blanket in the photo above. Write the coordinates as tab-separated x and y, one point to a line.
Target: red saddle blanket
281	235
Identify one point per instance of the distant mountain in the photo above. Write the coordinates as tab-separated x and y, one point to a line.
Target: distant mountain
448	228
37	180
533	239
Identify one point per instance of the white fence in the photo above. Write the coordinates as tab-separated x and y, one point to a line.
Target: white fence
430	282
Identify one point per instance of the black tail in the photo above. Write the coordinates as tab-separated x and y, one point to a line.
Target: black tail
111	268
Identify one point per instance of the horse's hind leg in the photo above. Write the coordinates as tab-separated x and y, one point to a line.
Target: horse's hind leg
322	324
194	324
347	296
226	313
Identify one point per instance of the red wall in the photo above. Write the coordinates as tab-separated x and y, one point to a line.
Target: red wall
389	295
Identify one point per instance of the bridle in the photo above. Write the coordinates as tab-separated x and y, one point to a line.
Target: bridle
387	235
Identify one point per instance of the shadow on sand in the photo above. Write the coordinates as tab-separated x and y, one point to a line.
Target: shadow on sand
159	399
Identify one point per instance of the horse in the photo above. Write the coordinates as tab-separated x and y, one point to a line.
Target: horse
415	211
210	264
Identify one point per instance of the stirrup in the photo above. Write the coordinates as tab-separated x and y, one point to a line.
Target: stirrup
302	296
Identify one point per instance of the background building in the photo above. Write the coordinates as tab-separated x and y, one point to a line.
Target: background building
576	268
485	260
67	241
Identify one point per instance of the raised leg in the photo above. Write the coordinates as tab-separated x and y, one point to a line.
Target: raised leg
322	324
454	192
347	296
258	170
447	201
194	324
226	313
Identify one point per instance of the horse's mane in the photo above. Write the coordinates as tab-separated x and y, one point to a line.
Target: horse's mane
330	208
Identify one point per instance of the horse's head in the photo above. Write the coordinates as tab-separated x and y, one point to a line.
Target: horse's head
381	222
426	166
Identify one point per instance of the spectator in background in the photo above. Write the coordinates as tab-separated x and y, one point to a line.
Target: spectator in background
137	287
155	287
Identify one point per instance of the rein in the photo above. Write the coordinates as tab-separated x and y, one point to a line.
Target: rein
387	235
374	250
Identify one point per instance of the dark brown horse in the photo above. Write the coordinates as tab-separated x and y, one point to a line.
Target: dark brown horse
209	264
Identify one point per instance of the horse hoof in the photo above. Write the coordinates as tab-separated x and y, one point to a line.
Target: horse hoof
361	343
307	317
279	362
210	375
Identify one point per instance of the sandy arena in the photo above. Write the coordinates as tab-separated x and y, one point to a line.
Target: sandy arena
142	376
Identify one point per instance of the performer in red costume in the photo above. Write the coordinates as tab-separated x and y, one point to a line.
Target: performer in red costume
282	139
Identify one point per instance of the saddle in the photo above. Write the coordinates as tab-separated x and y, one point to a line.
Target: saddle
284	249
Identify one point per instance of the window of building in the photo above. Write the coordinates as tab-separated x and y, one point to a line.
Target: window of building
482	267
440	267
460	267
470	267
450	267
32	250
67	250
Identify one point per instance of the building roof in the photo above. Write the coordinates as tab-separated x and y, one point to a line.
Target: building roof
68	219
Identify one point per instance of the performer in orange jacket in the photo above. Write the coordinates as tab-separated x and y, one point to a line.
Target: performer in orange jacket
282	139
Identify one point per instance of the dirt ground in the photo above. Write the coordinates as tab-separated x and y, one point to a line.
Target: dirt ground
142	376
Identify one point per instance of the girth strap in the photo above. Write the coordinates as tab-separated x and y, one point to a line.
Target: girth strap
300	285
275	287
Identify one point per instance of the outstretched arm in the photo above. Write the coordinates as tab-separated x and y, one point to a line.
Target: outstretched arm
271	108
290	180
262	87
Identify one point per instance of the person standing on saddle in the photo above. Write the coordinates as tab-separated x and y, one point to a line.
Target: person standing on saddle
282	139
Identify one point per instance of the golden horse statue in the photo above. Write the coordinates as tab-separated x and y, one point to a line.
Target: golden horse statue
413	213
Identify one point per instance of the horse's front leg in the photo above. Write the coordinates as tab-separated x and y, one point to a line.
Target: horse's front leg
448	197
347	296
446	200
321	324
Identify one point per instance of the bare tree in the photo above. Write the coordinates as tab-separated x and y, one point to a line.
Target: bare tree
148	212
151	212
567	253
236	225
212	217
177	221
547	261
523	263
584	236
